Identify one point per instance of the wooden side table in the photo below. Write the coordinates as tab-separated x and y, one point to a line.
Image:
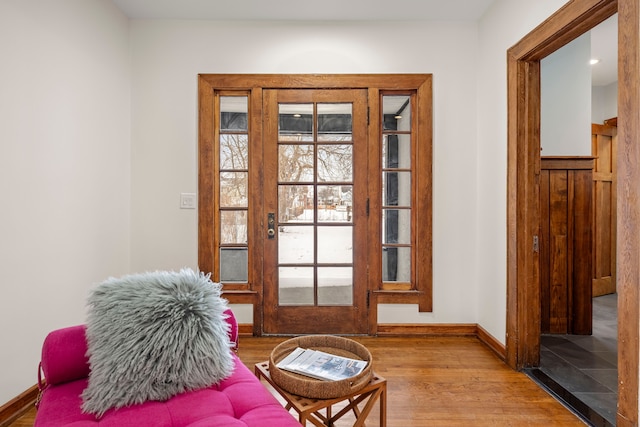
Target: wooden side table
310	409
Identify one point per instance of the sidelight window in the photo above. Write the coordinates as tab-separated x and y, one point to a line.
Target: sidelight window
397	190
233	189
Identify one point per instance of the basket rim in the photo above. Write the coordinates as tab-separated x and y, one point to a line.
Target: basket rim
311	387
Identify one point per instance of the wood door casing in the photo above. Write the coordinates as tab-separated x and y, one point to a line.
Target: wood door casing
569	22
523	170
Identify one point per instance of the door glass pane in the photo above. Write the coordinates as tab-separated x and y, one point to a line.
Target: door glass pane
322	157
334	203
233	113
295	203
396	112
233	265
396	189
334	122
295	163
233	189
396	264
295	122
233	227
234	151
335	163
396	151
335	245
295	286
295	244
397	198
233	180
396	226
335	285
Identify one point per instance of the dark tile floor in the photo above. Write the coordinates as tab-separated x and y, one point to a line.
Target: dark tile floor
582	370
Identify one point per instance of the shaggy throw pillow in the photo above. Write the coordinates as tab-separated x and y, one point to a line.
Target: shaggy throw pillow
151	336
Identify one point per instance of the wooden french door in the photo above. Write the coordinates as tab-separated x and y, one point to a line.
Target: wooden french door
315	211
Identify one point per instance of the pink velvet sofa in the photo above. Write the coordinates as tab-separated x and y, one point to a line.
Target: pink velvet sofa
239	400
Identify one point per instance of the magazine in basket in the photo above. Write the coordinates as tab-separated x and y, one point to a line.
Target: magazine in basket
320	365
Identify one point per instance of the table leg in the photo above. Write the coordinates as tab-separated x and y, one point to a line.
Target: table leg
383	407
373	397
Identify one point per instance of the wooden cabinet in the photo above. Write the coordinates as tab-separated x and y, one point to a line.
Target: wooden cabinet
566	212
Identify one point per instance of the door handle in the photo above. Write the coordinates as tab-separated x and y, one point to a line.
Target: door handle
271	225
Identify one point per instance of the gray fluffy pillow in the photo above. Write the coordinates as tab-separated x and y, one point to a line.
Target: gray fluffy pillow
151	336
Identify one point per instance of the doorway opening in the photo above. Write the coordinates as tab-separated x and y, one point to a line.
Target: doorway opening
578	356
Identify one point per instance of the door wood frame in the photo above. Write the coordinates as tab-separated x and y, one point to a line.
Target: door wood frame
253	85
523	171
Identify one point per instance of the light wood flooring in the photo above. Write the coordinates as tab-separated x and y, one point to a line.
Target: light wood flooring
439	381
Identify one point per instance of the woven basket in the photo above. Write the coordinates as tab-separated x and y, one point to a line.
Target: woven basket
309	387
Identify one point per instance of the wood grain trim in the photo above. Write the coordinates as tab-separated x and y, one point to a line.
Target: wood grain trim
17	406
206	168
424	204
433	329
252	297
523	213
316	81
412	330
567	162
444	329
245	330
605	129
553	33
628	211
241	297
396	297
490	341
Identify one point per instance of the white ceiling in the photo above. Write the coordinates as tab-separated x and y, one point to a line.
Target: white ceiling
305	10
603	37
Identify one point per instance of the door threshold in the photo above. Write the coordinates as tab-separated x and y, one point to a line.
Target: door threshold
571	402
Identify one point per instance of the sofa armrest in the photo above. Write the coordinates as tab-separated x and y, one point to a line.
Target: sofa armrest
64	355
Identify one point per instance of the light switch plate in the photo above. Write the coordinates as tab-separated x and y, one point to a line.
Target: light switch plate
187	200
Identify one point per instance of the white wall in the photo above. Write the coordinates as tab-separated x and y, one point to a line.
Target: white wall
604	102
502	26
168	55
565	100
64	169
